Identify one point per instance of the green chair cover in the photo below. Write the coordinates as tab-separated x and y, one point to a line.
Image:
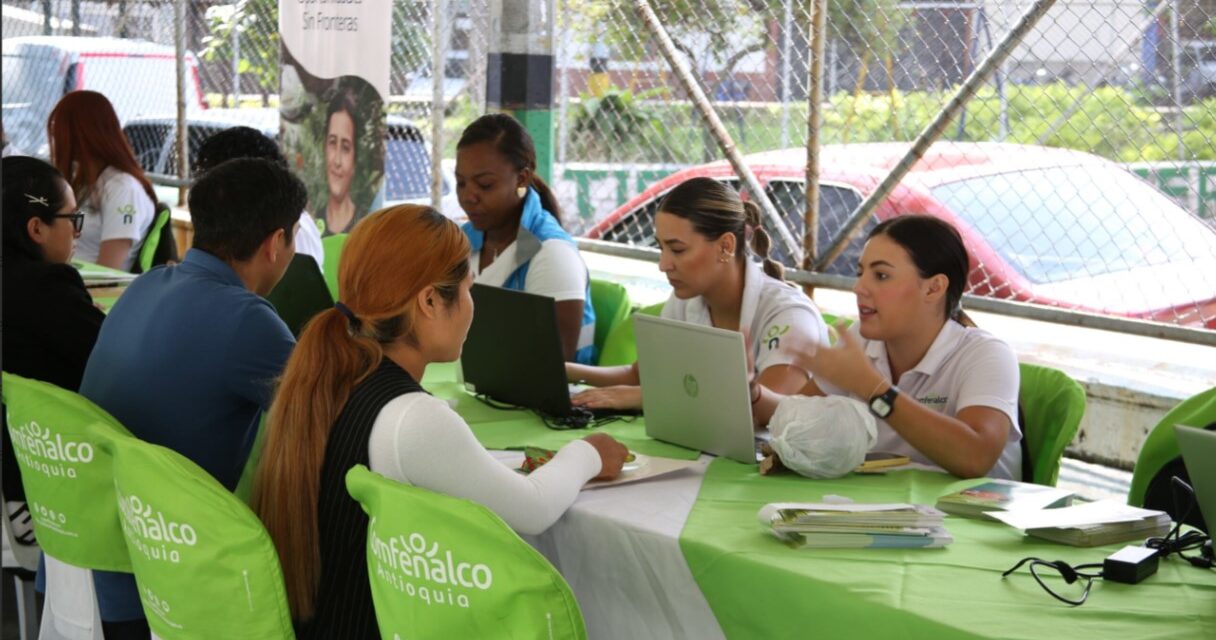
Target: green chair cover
620	345
147	257
333	252
58	439
205	566
1161	446
442	567
611	303
1052	406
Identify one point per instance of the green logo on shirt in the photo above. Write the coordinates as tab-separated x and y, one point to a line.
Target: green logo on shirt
128	213
774	335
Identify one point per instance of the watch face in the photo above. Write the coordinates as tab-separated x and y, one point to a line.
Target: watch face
880	407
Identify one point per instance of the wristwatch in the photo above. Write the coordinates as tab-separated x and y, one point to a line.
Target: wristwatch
882	404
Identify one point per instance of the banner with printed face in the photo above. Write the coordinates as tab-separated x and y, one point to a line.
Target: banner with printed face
335	79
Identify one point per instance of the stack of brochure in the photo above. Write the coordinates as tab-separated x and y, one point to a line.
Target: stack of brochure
822	525
1089	524
1002	495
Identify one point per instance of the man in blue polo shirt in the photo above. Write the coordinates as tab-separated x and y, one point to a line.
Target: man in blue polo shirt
188	356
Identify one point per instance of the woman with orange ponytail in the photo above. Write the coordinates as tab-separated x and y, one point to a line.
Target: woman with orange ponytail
91	151
350	395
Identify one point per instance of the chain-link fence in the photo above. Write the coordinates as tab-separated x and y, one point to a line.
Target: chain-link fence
1125	84
1033	171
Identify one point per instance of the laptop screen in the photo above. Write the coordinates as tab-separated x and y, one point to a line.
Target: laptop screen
513	352
694	387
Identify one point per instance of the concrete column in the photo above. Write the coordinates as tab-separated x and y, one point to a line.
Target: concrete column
519	70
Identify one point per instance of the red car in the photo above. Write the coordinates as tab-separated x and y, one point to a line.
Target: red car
1042	225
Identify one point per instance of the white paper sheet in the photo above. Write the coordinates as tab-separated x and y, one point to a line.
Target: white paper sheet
1099	512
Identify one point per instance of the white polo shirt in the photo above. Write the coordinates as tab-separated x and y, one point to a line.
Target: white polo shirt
964	367
117	209
308	240
772	311
557	270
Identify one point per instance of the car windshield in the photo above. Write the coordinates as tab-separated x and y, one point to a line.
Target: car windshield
32	85
1061	223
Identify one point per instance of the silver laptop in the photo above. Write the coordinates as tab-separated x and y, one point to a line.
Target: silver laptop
694	387
1198	448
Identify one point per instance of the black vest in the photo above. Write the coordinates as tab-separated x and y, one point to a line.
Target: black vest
344	601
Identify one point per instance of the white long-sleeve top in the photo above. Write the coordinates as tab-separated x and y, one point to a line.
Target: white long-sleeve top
419	440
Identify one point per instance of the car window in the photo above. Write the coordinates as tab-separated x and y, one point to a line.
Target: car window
148	142
407	166
198	134
637	226
32	85
836	204
1062	223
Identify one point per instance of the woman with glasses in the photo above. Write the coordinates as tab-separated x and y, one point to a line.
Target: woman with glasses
50	323
91	151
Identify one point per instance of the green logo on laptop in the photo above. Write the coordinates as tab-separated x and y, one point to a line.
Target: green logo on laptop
690	385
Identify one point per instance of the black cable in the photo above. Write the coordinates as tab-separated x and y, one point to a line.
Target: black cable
1173	543
579	418
1069	573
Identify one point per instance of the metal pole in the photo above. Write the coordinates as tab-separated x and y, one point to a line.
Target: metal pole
439	48
787	32
1009	308
1176	80
236	64
563	96
179	42
76	17
725	143
814	103
46	17
934	130
834	59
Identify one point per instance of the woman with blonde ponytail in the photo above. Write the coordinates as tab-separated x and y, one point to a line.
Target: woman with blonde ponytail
350	395
703	230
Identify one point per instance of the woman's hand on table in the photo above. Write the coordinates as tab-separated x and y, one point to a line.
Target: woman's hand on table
612	455
614	397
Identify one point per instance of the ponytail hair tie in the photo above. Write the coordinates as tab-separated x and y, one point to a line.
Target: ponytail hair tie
355	323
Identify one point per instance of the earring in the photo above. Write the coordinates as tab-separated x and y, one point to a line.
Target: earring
725	257
521	192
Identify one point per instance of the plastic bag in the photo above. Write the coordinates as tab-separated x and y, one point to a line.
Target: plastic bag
822	437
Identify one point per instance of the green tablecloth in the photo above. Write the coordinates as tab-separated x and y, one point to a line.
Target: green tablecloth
516	428
758	587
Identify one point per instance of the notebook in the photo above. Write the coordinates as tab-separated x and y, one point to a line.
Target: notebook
1198	448
694	387
1002	495
513	353
301	293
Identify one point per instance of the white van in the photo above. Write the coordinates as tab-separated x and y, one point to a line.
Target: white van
138	77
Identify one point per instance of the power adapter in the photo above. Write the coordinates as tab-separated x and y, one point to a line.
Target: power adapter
1130	564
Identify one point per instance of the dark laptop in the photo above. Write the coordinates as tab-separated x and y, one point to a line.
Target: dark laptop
301	294
514	354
